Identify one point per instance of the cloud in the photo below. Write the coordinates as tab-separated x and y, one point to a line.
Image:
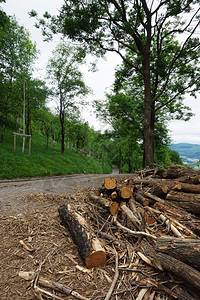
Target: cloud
187	132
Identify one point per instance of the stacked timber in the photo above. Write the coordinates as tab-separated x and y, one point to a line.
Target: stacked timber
151	219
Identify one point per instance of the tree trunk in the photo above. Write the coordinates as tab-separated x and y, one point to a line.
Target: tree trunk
186	250
141	199
90	248
125	193
148	122
62	119
4	123
28	121
47	140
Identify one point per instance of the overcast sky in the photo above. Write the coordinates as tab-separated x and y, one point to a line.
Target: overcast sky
181	132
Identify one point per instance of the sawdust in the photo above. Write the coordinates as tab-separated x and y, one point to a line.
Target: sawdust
39	226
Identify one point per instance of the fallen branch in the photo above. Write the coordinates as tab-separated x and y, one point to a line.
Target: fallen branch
130	214
135	233
115	277
51	284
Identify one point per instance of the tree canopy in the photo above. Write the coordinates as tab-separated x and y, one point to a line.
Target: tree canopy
67	81
157	40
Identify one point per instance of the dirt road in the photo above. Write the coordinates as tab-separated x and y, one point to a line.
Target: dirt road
13	192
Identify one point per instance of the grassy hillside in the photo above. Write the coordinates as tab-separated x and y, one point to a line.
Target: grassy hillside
187	150
42	162
189	153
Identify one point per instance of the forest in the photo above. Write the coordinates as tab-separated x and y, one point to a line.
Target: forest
160	52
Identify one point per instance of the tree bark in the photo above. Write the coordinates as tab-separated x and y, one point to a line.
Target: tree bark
186	250
149	109
176	171
90	248
113	207
188	201
148	124
141	199
179	269
188	188
62	119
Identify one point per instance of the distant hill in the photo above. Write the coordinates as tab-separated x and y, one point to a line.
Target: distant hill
189	153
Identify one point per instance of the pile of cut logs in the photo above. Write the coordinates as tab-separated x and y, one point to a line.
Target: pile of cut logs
157	213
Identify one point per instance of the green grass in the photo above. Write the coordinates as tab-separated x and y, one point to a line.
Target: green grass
42	161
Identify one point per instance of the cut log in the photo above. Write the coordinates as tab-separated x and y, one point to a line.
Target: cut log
125	193
110	183
162	261
114	195
188	201
186	187
157	171
97	192
159	189
90	248
154	197
190	179
161	172
141	199
179	269
113	207
176	171
186	250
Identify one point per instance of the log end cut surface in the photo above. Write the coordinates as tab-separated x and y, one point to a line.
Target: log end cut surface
96	259
110	183
126	193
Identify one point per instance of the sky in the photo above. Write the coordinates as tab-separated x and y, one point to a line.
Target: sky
100	81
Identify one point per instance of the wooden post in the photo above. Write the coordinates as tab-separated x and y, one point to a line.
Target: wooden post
29	146
14	142
24	136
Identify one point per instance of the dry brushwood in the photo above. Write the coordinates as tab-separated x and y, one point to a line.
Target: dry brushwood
155	241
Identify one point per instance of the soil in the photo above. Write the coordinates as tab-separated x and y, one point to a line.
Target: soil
29	213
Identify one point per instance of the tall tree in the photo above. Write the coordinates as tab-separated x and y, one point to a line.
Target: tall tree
17	54
141	27
67	81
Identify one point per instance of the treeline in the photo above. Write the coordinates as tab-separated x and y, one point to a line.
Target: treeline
24	98
20	92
